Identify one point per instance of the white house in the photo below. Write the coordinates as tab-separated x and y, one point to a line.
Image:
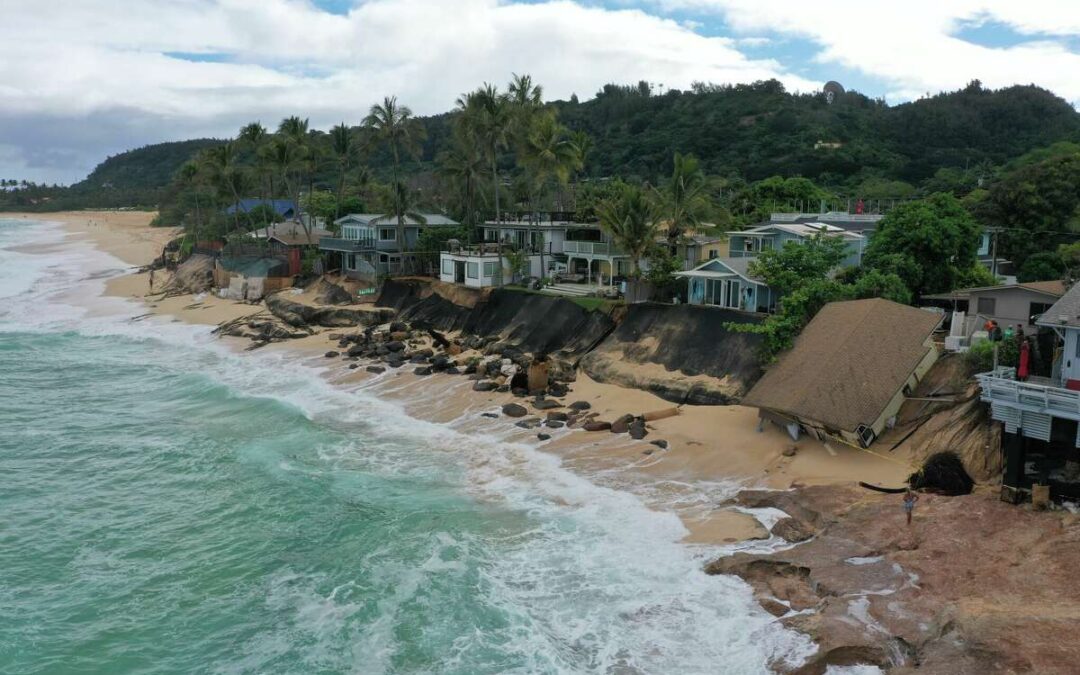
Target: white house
483	267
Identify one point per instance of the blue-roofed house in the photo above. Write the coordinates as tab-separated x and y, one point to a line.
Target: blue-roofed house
286	208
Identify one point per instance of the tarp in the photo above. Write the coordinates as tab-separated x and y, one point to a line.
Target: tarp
254	291
237	288
255	267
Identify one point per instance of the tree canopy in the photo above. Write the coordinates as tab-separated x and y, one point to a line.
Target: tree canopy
929	243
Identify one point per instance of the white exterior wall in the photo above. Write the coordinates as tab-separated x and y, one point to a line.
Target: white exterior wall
480	271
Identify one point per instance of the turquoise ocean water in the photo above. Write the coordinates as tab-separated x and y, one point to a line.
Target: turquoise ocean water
169	506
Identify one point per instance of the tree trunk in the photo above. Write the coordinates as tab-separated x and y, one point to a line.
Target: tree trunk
495	179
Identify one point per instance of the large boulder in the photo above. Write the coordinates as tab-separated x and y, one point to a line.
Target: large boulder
514	410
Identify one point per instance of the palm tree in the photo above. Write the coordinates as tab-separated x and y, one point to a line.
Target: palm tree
683	198
294	130
226	175
632	221
402	207
545	154
486	114
253	136
344	148
396	127
524	93
284	156
189	176
463	165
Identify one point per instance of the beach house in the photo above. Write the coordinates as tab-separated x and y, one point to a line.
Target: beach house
290	240
1040	415
729	282
484	265
572	247
367	245
849	371
1016	304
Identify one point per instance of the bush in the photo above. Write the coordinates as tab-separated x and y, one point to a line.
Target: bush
981	355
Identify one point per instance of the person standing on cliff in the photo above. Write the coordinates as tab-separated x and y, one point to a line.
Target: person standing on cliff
909	504
151	281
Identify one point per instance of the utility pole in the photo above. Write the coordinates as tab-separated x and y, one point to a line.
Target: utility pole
993	250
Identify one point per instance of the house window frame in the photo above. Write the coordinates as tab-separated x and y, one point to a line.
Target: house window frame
1032	311
383	230
448	266
490	268
985	312
472	270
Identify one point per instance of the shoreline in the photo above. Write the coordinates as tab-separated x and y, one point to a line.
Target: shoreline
713	445
706	444
714	452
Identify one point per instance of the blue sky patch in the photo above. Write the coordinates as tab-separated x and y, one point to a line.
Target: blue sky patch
200	57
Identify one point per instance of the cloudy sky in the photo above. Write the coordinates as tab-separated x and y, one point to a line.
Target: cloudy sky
82	79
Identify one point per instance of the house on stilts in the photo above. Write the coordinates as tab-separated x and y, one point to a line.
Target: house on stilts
1041	415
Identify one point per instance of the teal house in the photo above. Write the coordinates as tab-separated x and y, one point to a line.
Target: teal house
727	282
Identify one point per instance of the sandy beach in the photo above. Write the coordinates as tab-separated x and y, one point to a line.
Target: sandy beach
708	445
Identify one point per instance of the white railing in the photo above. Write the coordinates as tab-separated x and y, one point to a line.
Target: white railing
1001	387
591	248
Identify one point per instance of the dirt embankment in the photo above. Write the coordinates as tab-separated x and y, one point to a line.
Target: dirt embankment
945	413
975	586
537	324
682	353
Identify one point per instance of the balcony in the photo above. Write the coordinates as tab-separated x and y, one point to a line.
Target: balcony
346	245
598	248
1028	406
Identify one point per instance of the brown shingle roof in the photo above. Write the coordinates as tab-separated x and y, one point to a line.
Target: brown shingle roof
1056	287
847	364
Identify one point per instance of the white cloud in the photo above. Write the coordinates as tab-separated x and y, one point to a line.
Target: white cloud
287	57
912	45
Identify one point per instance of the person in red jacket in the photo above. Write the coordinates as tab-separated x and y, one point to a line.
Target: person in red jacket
1025	361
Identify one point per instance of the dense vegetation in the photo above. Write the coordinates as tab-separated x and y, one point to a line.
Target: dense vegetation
134	179
741	134
943	168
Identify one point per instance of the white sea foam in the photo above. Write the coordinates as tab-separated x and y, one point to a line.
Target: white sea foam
601	584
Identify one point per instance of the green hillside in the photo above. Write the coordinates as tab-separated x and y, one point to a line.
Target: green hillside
855	146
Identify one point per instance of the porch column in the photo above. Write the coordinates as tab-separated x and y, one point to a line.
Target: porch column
588	271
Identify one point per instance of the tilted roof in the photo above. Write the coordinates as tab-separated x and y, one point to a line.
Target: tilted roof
848	363
1064	312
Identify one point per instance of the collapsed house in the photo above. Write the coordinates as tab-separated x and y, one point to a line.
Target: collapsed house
849	371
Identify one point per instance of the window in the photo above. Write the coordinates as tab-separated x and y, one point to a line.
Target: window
986	306
387	234
748	244
712	254
472	270
490	269
491	235
447	266
1037	309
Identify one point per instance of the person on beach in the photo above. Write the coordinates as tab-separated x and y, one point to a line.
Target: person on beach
909	504
151	281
